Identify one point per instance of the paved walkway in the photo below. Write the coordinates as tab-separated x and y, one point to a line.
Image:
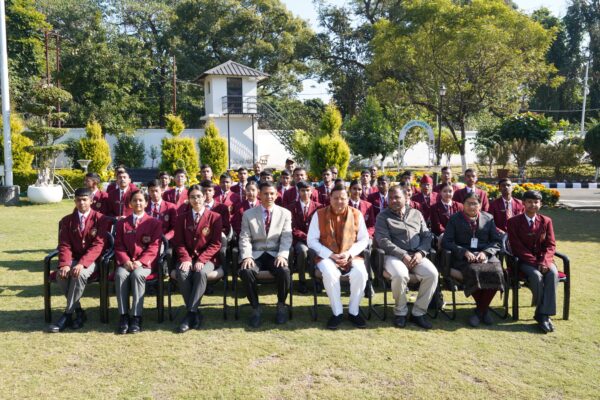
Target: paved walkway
582	199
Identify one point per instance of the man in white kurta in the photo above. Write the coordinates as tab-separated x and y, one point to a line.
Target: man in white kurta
338	235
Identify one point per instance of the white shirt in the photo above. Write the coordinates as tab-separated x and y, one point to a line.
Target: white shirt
137	218
201	213
210	205
530	221
264	213
314	236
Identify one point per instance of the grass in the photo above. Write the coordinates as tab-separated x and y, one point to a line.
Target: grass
298	360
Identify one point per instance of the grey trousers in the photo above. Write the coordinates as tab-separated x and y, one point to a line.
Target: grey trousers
301	250
543	288
73	287
134	282
192	285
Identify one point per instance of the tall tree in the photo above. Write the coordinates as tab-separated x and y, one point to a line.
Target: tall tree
488	55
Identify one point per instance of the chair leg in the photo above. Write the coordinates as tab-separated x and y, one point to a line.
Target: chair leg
236	313
453	317
47	293
515	302
290	309
160	298
314	307
567	298
225	297
169	301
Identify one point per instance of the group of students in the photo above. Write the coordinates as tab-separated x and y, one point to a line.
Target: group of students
266	220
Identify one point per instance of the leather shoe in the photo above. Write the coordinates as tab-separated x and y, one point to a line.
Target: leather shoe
334	321
197	321
184	326
135	325
80	318
543	323
551	325
254	320
487	318
282	314
421	321
123	324
65	321
302	289
474	320
400	321
357	320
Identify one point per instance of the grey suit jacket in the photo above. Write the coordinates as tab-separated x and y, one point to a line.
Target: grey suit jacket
254	241
457	237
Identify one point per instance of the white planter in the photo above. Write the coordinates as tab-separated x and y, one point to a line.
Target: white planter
45	194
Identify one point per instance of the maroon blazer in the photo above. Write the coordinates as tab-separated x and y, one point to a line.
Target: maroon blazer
368	212
460	195
440	216
438	188
223	211
323	195
167	214
280	194
201	243
239	189
138	244
84	247
118	208
425	206
113	185
534	246
498	210
231	200
291	196
301	222
367	190
375	200
99	201
170	196
236	220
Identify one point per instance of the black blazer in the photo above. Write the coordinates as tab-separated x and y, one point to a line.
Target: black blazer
458	234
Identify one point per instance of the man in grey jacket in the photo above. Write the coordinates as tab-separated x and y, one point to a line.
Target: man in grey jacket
264	244
401	232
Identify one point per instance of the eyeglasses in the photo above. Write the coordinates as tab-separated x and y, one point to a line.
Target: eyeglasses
196	197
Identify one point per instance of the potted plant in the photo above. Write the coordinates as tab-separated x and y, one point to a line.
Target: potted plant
44	132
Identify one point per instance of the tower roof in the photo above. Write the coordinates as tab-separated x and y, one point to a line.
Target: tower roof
231	68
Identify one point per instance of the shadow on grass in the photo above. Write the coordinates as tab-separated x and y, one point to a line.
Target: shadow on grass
25	251
24	265
574	226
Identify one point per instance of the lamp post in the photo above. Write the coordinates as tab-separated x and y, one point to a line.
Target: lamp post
442	93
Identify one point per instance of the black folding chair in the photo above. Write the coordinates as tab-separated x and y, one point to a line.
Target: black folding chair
385	280
263	278
516	279
317	277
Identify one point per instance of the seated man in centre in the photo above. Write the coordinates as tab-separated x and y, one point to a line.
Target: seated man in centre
338	235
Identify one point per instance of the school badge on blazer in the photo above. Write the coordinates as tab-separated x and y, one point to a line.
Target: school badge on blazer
146	239
98	205
166	217
206	231
93	232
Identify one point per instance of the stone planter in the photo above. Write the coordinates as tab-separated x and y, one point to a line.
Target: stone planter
45	194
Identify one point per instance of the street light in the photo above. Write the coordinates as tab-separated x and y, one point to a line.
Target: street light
442	93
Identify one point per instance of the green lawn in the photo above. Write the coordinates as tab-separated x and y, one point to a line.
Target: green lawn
300	360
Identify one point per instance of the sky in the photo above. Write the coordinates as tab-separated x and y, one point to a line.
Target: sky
306	10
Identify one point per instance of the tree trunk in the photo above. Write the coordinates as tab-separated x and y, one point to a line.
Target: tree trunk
462	147
597	172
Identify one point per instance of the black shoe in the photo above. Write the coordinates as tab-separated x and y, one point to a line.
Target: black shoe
400	321
421	321
319	287
550	324
543	323
65	321
135	325
254	320
302	289
474	320
335	321
123	324
487	318
197	321
282	314
80	318
188	320
357	320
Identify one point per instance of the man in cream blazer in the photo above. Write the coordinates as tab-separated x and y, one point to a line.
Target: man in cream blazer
264	244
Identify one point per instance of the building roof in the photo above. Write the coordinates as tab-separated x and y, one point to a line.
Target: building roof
231	68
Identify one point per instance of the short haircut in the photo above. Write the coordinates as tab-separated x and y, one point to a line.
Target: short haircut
207	184
251	183
445	185
138	191
446	168
204	166
503	180
163	173
337	188
120	169
153	183
339	181
241	169
408	172
532	195
195	187
224	176
472	195
397	188
265	185
365	171
93	176
326	170
297	169
383	178
355	182
285	172
83	192
180	171
303	185
266	172
472	170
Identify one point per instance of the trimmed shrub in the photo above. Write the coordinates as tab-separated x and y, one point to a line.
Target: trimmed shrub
330	149
179	153
22	159
213	149
129	151
175	124
94	147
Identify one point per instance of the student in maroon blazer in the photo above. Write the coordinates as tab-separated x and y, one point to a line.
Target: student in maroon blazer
227	197
408	194
470	181
365	208
444	209
250	202
284	185
302	212
379	199
197	244
80	243
165	180
407	178
117	204
161	209
178	194
291	196
365	182
98	197
324	190
505	207
137	245
208	188
426	198
446	177
531	238
240	187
